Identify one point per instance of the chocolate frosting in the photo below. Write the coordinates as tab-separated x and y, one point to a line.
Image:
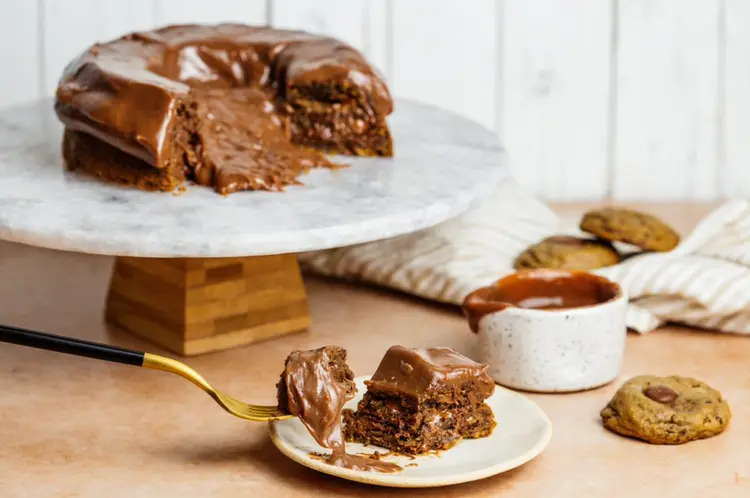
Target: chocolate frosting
317	398
125	92
421	372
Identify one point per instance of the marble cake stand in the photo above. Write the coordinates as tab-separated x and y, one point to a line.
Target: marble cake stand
199	272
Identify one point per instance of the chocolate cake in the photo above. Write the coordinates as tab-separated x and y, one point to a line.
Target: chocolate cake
421	400
314	386
231	106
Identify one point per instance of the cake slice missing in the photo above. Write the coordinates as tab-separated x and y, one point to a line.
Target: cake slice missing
242	143
228	139
422	400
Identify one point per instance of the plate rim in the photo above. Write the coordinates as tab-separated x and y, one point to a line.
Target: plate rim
391	480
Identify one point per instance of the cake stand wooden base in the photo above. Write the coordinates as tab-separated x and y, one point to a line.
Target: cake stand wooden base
193	306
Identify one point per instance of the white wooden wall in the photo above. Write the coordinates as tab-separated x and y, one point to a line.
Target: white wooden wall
631	99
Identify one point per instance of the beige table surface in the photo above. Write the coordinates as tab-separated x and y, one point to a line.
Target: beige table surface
76	427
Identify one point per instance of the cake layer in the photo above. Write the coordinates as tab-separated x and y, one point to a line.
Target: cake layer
83	152
413	433
341	131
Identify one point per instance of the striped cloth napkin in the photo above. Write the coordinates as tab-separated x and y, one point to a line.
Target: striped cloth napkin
704	282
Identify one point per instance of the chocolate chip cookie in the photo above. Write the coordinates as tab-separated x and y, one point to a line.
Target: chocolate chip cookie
633	227
567	253
666	410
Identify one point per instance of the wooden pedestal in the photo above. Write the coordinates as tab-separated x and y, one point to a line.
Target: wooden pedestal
194	306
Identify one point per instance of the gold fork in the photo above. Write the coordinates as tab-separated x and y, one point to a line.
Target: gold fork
22	337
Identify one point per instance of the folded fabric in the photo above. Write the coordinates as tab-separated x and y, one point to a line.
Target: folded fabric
704	282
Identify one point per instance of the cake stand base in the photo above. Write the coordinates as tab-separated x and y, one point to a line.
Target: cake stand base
192	306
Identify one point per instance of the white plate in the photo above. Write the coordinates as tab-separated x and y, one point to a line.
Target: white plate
523	431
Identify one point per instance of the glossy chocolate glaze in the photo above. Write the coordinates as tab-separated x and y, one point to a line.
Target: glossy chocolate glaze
541	290
317	398
421	372
126	92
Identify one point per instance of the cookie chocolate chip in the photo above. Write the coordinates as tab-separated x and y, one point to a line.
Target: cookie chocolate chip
666	410
563	252
632	227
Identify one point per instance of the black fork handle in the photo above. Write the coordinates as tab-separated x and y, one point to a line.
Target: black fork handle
67	345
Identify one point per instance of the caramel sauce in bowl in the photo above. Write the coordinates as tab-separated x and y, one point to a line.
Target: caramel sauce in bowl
550	330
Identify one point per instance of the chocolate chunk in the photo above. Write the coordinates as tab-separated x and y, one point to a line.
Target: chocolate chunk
661	394
406	368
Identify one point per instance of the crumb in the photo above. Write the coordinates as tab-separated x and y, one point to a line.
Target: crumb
377	455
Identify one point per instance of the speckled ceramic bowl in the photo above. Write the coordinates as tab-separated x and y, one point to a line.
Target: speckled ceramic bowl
554	349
